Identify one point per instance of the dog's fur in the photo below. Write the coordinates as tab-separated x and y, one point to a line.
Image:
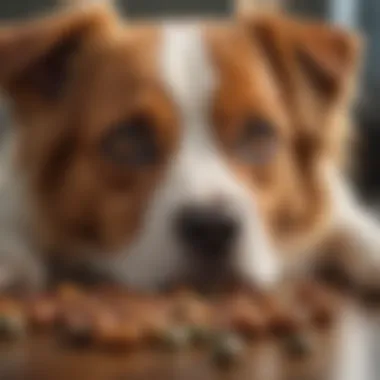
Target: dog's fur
71	78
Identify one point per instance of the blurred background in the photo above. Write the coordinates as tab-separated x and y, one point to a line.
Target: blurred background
358	14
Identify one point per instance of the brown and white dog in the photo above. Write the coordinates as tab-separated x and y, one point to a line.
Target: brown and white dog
179	149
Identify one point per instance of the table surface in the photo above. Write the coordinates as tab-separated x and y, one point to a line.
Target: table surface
41	358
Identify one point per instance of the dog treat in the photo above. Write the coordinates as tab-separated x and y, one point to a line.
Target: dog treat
227	350
191	310
42	312
117	320
177	338
75	328
200	335
244	316
12	320
113	332
320	303
283	318
297	345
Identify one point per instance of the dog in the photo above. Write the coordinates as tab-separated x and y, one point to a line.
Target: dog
179	149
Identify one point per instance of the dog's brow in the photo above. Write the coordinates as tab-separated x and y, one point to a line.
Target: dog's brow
186	68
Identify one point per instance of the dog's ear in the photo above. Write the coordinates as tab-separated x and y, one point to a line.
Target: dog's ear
35	55
316	67
314	57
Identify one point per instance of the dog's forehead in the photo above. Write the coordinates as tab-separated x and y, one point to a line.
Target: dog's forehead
189	55
186	67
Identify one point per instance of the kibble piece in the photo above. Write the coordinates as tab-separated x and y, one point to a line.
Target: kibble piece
176	338
12	325
154	327
200	335
228	350
297	346
284	318
191	310
12	319
76	329
322	303
112	333
247	320
79	335
42	313
69	292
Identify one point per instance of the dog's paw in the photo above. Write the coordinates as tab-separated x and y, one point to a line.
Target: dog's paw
360	280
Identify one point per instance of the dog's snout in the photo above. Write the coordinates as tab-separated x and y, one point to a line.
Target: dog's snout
207	231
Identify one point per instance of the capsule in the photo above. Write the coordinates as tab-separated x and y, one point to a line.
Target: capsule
112	333
298	345
228	350
12	325
191	310
176	338
323	304
42	313
285	320
247	320
76	329
200	335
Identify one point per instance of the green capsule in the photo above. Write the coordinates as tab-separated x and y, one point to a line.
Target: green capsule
228	350
176	338
11	326
200	335
298	345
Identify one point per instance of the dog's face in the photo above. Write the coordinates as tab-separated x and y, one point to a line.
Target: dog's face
188	149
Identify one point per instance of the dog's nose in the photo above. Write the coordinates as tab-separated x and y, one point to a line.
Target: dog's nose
207	231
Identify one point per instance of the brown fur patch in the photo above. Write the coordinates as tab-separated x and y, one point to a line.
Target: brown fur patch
81	197
297	77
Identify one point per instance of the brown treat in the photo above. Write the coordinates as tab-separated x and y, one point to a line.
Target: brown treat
76	328
155	324
176	338
284	319
308	292
322	303
298	345
191	310
201	335
227	351
42	313
8	304
69	292
111	332
127	306
243	316
12	320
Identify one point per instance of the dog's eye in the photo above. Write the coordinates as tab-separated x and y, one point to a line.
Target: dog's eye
131	143
257	143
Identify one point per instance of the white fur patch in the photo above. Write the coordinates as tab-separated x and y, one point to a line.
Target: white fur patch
197	175
353	359
361	228
20	261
